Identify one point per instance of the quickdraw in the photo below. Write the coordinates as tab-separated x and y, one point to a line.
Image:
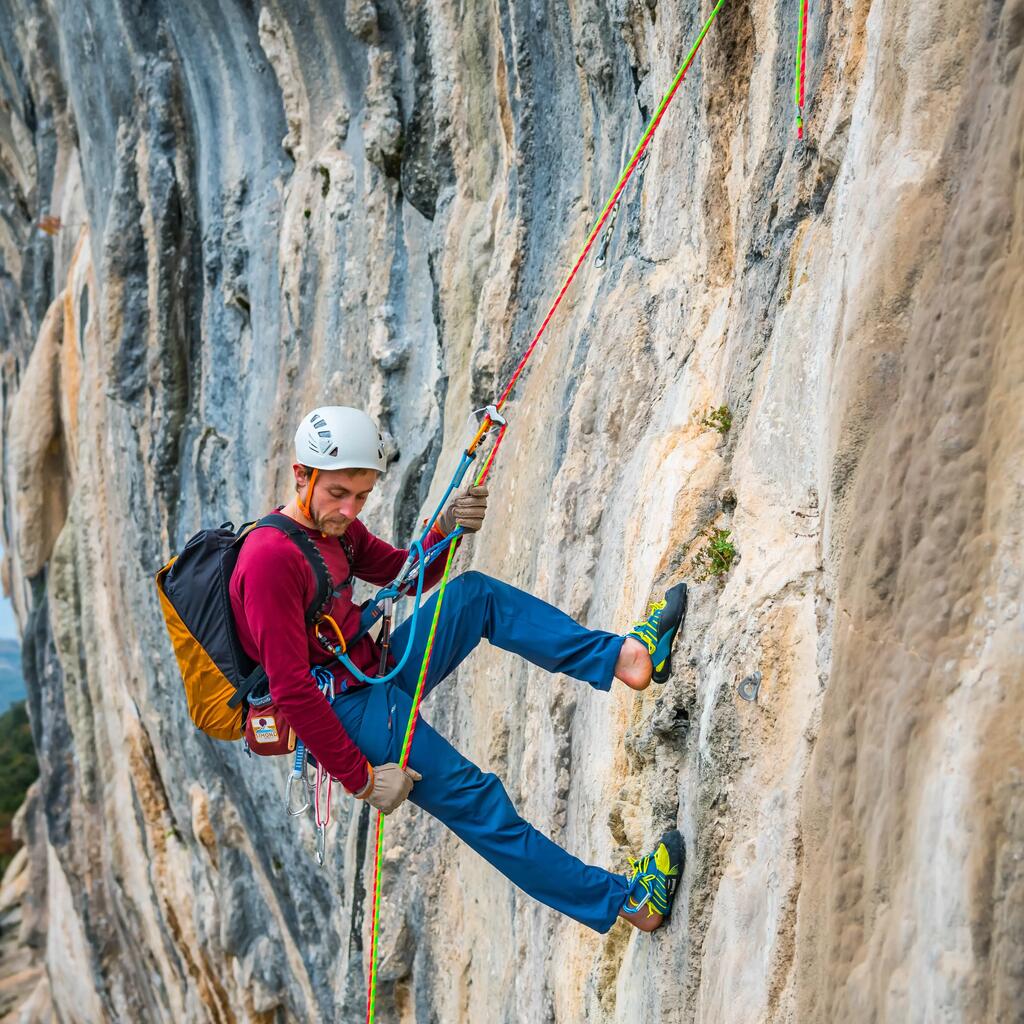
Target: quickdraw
492	417
295	780
313	791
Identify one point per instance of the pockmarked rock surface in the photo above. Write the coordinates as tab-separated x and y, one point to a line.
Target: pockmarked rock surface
216	214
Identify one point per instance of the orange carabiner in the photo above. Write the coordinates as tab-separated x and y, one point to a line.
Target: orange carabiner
323	639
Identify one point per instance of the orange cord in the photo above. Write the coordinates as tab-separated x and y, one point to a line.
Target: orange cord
304	508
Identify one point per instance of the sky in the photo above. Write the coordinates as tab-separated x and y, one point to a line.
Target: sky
7	628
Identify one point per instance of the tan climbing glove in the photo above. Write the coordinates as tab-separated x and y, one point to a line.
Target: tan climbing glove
391	786
466	509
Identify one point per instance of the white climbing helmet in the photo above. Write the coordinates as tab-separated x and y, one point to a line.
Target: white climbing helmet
336	437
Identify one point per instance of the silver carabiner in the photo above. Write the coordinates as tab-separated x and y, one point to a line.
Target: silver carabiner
294	811
321	844
491	412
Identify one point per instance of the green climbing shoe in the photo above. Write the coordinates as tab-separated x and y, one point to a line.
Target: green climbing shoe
658	631
653	880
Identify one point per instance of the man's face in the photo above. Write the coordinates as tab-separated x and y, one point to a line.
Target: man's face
338	497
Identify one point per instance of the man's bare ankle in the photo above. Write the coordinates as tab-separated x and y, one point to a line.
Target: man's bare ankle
641	920
630	668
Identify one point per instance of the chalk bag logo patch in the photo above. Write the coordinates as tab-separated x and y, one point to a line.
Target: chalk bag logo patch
265	730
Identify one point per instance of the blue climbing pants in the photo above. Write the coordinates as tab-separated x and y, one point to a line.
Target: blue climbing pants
472	803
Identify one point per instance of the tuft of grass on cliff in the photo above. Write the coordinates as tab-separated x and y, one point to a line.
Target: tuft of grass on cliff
18	770
716	557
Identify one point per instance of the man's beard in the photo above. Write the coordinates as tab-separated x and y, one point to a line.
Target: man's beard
331	525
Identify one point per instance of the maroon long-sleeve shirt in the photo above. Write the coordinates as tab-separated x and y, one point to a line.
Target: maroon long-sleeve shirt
271	588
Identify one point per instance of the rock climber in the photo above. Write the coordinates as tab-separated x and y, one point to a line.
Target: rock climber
339	458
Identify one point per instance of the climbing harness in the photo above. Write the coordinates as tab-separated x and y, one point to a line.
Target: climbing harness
801	68
381	607
492	418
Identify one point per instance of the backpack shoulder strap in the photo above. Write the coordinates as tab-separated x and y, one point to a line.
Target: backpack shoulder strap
350	552
350	557
324	586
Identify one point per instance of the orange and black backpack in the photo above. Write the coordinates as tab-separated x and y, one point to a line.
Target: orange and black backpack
194	586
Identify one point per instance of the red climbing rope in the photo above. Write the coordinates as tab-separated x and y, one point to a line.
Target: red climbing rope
486	468
801	67
605	213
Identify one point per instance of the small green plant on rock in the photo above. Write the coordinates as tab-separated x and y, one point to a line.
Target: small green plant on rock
715	558
719	419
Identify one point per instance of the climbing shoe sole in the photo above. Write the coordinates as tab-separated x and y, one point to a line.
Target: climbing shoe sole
669	627
673	842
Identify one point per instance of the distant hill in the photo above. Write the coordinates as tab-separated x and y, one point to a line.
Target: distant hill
12	685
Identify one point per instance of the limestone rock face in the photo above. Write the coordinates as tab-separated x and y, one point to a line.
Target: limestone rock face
217	214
